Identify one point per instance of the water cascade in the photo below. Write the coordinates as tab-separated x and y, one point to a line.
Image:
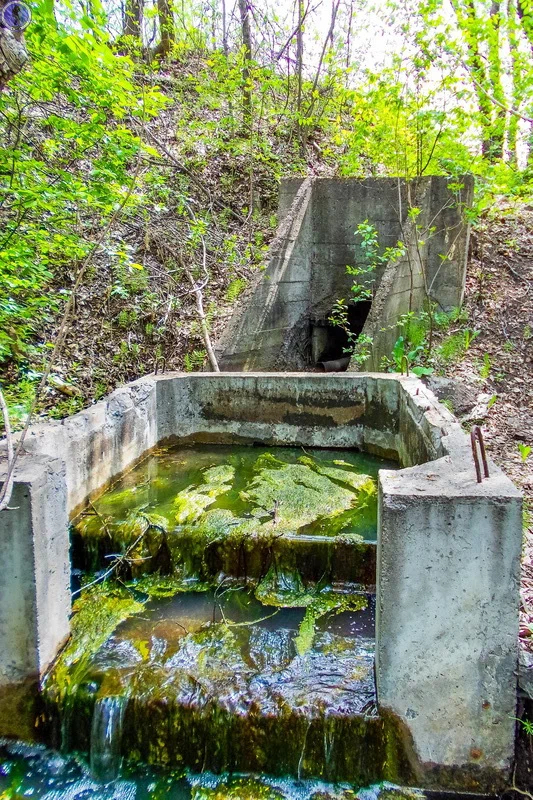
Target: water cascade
227	622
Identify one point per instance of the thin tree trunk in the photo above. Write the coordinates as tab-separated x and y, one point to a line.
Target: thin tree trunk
349	42
497	138
166	27
470	27
516	78
13	54
133	16
244	12
299	76
224	29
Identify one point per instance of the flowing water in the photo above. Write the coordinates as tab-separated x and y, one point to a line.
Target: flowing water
225	627
33	771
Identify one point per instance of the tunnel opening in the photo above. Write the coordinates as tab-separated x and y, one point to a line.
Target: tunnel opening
329	343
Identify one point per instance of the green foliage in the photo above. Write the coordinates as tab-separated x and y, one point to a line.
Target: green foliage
74	100
360	345
194	361
235	289
484	370
456	344
524	450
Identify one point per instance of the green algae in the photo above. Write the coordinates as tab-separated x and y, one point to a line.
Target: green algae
228	513
239	788
320	605
96	614
158	587
294	494
190	504
285	589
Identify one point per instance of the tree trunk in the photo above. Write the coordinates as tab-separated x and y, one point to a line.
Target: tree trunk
133	17
486	76
244	12
166	27
299	54
224	29
516	80
299	74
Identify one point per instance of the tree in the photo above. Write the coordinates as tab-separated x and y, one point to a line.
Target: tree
166	28
133	18
244	12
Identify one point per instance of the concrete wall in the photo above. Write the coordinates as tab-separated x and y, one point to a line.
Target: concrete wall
34	585
271	327
448	547
278	300
447	629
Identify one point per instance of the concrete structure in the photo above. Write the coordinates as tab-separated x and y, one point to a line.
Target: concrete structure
282	321
448	547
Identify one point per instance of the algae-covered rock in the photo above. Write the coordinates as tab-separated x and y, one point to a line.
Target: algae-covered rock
191	502
296	495
96	614
237	788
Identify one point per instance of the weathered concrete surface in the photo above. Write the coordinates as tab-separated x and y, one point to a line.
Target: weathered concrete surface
99	443
34	586
448	548
447	625
273	326
279	297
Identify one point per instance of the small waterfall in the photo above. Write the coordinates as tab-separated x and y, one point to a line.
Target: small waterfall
106	737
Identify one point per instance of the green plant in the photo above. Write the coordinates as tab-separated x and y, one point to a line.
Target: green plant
485	368
524	450
526	724
194	361
235	289
492	401
448	404
454	346
469	336
360	345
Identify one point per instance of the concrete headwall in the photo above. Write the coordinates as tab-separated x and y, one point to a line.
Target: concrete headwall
306	276
448	547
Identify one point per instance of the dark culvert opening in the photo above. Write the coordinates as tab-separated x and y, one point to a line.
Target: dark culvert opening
329	342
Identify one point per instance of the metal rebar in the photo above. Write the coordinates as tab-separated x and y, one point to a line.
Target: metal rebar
476	438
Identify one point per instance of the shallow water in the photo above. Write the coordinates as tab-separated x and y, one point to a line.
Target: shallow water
238	632
328	504
33	771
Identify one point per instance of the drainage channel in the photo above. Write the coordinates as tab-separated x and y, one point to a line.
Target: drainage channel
280	574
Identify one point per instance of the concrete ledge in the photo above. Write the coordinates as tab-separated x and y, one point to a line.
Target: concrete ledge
448	547
35	575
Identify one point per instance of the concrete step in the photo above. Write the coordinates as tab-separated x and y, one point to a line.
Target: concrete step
219	681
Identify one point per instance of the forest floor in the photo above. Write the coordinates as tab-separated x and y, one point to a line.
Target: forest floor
498	365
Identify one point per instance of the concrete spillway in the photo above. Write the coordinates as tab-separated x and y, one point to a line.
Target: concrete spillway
282	322
447	558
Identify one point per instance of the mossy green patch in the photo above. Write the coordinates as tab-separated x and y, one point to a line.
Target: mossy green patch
190	504
97	613
320	605
285	589
245	788
294	494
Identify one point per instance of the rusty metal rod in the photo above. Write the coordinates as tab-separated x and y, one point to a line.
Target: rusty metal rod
476	437
163	363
